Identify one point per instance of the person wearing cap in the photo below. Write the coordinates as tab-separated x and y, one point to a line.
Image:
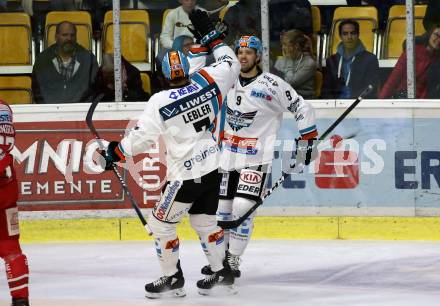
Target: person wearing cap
185	117
255	107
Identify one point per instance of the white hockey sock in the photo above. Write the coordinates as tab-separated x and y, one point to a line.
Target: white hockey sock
211	238
224	213
166	243
240	236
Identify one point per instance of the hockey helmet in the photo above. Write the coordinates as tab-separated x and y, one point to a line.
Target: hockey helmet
249	42
175	65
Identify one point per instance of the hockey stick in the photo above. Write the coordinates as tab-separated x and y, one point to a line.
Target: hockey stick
121	180
237	222
190	27
222	6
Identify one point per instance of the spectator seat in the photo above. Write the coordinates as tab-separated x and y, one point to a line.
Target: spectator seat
164	16
16	89
135	36
146	83
395	32
82	21
319	79
316	36
15	39
366	16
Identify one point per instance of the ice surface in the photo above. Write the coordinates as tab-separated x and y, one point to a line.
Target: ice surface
300	273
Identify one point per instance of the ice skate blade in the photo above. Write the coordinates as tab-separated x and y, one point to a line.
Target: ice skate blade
219	290
167	294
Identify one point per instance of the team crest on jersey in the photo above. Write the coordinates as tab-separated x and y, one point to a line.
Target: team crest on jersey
261	95
238	120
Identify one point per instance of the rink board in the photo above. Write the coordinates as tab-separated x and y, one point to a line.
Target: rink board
387	165
126	229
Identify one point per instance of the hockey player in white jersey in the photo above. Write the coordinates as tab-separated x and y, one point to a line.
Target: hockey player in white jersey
185	116
254	112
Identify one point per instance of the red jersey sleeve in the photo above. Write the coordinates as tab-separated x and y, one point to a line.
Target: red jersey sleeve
7	136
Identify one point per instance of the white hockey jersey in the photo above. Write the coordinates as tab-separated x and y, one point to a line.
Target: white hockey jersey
253	117
186	119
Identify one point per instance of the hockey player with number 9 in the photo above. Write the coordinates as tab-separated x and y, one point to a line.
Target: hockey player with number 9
185	116
17	271
255	107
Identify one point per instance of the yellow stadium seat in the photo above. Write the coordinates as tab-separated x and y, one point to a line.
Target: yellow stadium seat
400	11
135	35
319	79
164	16
16	89
367	18
82	21
146	83
15	39
395	32
316	18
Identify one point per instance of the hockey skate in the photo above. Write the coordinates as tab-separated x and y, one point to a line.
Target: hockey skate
234	263
167	286
20	302
218	283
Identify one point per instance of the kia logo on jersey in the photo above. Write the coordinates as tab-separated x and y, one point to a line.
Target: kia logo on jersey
251	177
337	169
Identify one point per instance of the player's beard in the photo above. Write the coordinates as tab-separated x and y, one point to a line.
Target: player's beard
246	70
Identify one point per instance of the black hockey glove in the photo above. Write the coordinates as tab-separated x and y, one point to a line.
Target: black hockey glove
201	23
306	150
204	30
112	155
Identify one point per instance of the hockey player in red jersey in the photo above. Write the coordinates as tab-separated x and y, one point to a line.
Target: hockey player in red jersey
17	272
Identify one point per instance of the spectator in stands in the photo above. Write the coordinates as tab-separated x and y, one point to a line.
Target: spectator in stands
433	76
287	15
431	20
432	15
243	18
176	23
3	5
352	68
104	87
425	56
297	65
64	72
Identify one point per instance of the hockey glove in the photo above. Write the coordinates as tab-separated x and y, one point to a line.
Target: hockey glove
223	28
306	150
112	155
204	30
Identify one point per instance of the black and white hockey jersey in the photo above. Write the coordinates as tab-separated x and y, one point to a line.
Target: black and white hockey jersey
185	117
253	116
